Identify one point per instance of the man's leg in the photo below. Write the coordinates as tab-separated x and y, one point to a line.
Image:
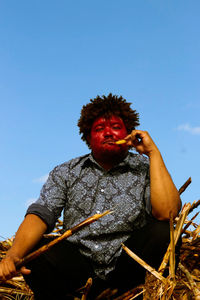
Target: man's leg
59	272
149	243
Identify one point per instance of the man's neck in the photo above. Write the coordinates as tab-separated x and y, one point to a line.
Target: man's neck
109	162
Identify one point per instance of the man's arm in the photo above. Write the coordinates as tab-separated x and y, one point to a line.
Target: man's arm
165	198
28	235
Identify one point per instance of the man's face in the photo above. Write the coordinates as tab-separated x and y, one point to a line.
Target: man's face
104	133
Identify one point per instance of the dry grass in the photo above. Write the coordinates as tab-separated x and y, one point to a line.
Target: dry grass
182	285
185	285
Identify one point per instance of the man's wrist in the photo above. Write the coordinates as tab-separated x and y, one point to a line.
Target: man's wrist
154	153
14	254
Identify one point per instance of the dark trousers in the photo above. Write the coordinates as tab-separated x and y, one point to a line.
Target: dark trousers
62	270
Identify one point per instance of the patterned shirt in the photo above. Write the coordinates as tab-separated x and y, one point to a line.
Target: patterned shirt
81	188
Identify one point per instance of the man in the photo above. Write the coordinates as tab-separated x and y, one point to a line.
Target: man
138	189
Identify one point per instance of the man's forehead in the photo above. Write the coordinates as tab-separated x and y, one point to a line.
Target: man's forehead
111	118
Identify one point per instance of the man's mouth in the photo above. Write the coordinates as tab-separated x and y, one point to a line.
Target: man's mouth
109	142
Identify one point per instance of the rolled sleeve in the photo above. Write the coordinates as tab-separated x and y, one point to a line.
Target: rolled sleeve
43	213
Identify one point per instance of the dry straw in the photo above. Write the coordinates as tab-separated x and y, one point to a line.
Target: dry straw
182	285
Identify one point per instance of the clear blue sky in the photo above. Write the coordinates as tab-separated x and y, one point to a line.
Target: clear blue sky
56	55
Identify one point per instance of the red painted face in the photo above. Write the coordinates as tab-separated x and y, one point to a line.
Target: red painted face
104	133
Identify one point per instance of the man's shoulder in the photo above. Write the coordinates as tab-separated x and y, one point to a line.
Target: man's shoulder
135	159
77	161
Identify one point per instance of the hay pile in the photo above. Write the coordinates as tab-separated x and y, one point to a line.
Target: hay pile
182	285
16	288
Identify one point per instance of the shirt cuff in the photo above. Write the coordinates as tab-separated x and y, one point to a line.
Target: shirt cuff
43	213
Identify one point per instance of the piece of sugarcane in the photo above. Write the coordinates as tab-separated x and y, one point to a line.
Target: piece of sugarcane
65	235
144	264
185	185
121	142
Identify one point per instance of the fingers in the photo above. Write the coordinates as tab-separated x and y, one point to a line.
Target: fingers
25	271
135	138
141	141
7	269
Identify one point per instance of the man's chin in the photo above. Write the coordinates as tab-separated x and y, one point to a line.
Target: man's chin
114	153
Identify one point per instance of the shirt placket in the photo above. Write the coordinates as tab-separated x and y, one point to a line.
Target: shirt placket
100	196
99	201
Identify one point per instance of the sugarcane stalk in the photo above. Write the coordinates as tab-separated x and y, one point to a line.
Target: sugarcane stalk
87	288
177	233
194	287
185	185
189	223
194	205
144	264
65	235
172	249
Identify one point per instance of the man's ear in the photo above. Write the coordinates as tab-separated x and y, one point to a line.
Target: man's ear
88	138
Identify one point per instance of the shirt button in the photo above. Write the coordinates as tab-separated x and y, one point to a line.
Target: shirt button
102	190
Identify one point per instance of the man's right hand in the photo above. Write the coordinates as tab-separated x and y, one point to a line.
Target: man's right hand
28	235
8	269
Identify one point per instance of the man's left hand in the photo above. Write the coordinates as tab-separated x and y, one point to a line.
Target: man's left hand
142	142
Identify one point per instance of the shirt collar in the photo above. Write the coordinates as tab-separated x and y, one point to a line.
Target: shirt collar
127	161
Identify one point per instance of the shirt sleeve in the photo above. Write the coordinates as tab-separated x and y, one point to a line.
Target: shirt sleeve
53	197
44	213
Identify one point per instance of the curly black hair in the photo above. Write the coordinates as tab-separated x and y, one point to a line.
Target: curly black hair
106	106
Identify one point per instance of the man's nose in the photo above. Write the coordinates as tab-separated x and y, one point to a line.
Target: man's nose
107	131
